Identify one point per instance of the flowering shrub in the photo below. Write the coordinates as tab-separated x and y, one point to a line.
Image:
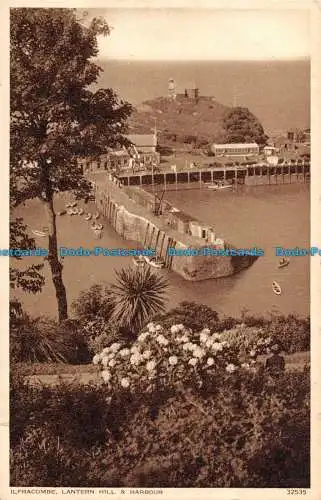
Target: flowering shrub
247	339
164	357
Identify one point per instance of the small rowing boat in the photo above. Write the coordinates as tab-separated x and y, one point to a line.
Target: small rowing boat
88	216
283	263
217	186
67	205
70	211
73	204
63	212
41	234
154	262
99	227
75	211
276	288
80	211
139	261
96	215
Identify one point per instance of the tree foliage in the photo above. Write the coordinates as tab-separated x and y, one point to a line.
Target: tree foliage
240	125
55	117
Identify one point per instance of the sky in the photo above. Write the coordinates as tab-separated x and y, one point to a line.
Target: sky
190	34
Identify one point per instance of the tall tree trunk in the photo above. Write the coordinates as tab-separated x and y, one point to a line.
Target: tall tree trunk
53	259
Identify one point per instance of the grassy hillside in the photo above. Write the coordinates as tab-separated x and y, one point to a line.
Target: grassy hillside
183	120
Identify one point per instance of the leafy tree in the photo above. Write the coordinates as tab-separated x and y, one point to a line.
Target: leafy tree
240	125
138	295
28	279
55	117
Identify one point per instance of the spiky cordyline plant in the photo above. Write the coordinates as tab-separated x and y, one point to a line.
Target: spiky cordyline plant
138	295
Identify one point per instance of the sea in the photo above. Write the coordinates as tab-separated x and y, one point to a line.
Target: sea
263	216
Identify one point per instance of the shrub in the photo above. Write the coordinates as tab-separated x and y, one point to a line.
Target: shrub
43	339
291	332
96	302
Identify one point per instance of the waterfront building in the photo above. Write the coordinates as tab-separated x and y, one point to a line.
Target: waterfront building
233	149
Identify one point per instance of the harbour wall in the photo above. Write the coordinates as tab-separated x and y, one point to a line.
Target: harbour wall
126	212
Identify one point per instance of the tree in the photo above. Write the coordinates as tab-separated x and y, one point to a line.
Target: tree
55	118
240	125
138	295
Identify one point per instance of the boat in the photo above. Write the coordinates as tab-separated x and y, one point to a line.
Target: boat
99	227
42	234
73	204
62	212
154	261
88	216
139	261
67	205
80	211
70	211
218	186
75	211
283	263
276	288
96	215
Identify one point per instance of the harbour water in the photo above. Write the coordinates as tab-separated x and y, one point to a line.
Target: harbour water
262	216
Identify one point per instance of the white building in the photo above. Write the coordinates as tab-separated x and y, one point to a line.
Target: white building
234	149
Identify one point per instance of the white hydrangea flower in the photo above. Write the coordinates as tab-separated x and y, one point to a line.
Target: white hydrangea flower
96	359
112	363
245	365
217	346
181	327
198	353
135	358
105	361
152	329
125	382
134	349
230	368
188	346
225	344
106	375
206	330
173	360
124	352
193	361
150	366
185	338
209	342
210	361
115	347
147	354
105	350
175	329
161	340
143	336
216	336
158	328
203	337
149	325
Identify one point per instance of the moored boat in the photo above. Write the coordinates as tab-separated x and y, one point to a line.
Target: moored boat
73	204
276	288
96	215
216	186
62	212
154	262
80	211
99	227
283	262
88	216
42	234
70	211
139	261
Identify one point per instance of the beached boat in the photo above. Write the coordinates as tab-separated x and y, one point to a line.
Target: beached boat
276	288
88	216
217	186
154	261
139	261
41	234
283	263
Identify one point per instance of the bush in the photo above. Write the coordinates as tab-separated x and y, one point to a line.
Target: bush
249	430
43	339
291	332
96	302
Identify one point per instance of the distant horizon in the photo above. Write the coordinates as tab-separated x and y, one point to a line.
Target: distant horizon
126	59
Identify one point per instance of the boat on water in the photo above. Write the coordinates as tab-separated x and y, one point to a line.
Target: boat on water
67	205
217	186
73	204
96	215
88	216
283	262
154	262
41	234
139	261
276	288
70	211
62	212
80	211
99	227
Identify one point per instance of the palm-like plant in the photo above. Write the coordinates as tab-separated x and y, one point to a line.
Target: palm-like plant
138	295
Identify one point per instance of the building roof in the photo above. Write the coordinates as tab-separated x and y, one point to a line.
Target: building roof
236	145
143	140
